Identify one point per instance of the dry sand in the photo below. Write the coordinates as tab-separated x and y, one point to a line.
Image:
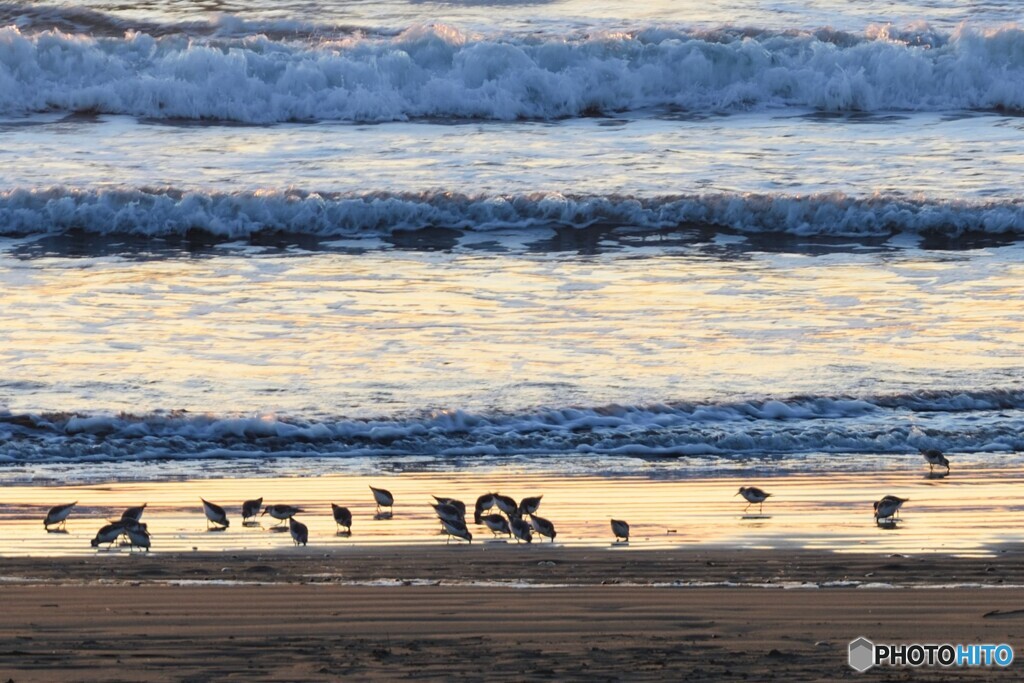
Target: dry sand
588	614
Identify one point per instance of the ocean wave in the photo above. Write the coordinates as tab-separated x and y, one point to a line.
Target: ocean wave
237	215
439	71
974	422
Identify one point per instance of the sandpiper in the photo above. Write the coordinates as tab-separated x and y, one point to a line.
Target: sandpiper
138	535
58	514
521	530
506	504
620	529
483	504
449	513
528	506
887	507
497	524
108	534
935	457
454	502
281	512
342	517
384	499
299	531
250	509
752	494
456	529
215	514
543	527
133	514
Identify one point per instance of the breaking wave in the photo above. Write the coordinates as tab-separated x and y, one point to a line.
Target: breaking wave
236	215
265	74
767	430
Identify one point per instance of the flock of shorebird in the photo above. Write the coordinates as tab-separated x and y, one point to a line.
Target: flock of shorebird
451	513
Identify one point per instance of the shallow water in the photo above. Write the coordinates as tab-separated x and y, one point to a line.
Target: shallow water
290	239
967	513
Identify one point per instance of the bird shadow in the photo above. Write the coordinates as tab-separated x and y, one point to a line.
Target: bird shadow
755	517
216	529
346	534
57	531
250	524
887	524
384	515
277	529
619	544
936	475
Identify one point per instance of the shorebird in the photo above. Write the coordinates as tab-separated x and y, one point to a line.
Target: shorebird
521	530
483	503
58	514
506	504
138	535
280	512
449	513
452	501
216	514
620	529
528	506
457	530
543	527
752	494
935	457
108	534
342	517
133	514
250	509
888	507
299	531
384	499
497	524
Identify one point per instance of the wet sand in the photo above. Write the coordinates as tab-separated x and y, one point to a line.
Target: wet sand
461	612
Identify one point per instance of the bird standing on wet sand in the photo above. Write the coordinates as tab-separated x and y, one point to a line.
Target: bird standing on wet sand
342	517
281	512
887	507
620	529
299	531
250	509
497	524
58	514
453	502
506	504
528	506
483	504
138	535
384	499
543	527
521	530
935	457
215	514
108	534
753	495
456	529
133	514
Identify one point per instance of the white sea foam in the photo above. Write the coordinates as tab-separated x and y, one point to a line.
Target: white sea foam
439	71
810	432
169	212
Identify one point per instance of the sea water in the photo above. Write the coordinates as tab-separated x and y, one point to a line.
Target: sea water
675	240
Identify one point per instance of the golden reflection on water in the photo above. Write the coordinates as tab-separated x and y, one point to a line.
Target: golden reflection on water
400	331
967	513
